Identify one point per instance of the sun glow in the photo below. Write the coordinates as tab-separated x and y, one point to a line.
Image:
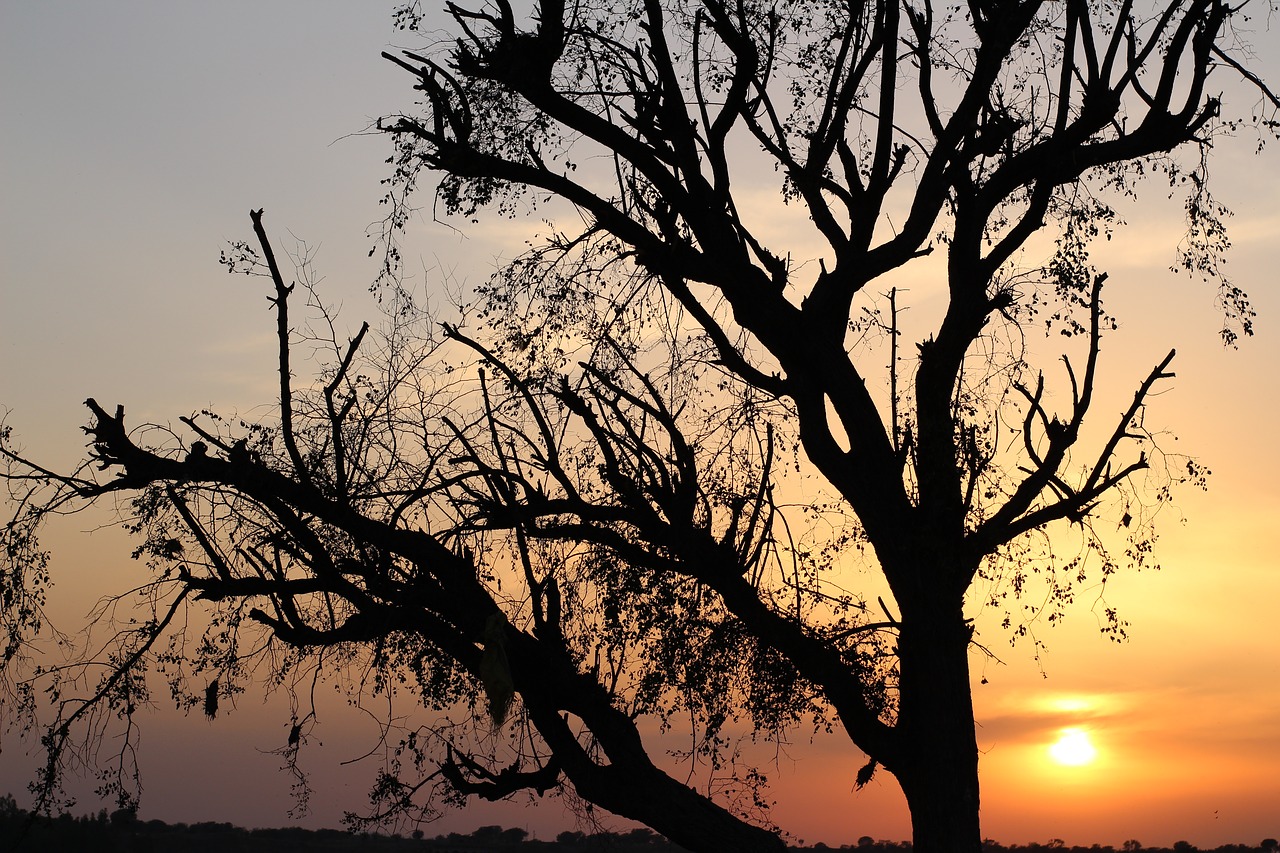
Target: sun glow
1073	748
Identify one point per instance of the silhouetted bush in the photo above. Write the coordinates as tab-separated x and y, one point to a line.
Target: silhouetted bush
122	832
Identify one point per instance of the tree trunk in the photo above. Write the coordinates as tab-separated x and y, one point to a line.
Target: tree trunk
682	815
938	768
623	779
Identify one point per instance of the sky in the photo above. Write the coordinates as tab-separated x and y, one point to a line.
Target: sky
136	136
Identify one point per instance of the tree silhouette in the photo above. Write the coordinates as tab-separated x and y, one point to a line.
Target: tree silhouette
575	509
897	129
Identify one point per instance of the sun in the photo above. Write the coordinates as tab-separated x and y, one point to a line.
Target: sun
1073	748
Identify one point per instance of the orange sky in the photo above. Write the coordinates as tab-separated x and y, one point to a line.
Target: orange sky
136	137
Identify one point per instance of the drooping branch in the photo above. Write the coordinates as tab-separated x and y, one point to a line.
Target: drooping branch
649	520
444	602
57	738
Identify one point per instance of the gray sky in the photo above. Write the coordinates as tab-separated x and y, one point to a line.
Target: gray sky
136	137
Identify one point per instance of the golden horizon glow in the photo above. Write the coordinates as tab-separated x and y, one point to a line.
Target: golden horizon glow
1071	704
1073	748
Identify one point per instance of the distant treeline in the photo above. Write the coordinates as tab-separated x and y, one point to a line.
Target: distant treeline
122	832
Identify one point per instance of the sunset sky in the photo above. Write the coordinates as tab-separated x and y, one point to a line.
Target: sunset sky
136	136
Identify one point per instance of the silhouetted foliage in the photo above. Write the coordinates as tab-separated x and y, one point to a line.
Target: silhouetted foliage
20	831
97	833
576	510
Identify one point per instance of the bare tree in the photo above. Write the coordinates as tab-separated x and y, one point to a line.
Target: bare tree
595	523
411	521
898	129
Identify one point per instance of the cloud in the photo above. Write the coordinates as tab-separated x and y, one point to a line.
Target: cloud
1034	717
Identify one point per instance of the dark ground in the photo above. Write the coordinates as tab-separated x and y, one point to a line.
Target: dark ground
120	832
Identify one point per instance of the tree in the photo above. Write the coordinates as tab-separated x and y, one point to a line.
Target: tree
896	128
585	509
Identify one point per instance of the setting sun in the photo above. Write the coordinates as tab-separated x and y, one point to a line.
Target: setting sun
1073	748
